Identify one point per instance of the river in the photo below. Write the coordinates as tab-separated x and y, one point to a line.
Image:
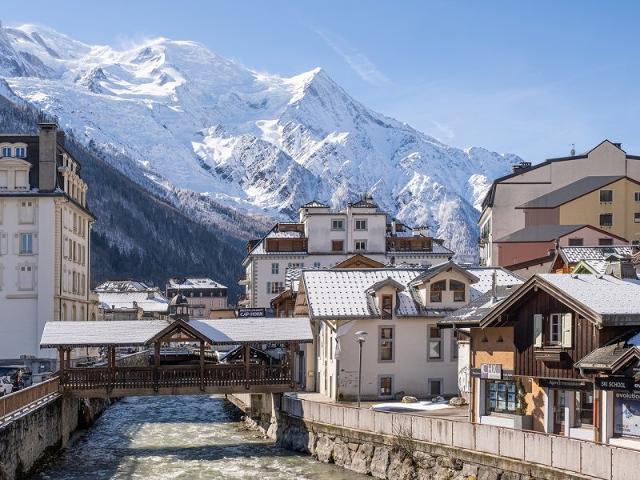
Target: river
197	437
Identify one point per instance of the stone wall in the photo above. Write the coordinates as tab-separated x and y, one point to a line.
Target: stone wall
392	457
28	440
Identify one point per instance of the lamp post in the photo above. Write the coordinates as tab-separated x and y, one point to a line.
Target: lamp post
361	337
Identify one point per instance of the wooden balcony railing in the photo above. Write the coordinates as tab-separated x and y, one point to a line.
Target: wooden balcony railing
174	376
22	398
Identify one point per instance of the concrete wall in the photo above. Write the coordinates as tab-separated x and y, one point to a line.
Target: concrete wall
28	439
522	453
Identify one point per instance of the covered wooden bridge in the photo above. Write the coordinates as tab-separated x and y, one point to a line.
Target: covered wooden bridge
154	377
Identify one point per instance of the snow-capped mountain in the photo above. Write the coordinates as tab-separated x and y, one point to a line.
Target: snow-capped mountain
193	121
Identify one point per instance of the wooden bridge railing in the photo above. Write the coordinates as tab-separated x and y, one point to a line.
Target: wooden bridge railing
174	376
22	398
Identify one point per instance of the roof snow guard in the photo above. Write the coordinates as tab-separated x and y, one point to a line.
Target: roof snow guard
227	331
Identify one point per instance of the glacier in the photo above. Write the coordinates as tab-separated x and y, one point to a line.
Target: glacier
205	126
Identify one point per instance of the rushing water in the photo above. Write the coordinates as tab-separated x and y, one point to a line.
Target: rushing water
197	437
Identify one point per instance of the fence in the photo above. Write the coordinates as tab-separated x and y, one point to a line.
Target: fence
576	456
17	401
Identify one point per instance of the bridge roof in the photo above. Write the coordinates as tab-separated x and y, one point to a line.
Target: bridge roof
143	332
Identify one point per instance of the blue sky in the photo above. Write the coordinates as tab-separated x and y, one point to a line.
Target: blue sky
524	77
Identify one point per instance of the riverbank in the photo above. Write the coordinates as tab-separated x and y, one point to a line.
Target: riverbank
32	438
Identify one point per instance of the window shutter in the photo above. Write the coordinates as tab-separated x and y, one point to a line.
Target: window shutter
567	330
537	330
4	243
34	245
268	287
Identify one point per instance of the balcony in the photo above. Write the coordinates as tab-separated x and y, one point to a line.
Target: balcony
409	244
244	280
286	244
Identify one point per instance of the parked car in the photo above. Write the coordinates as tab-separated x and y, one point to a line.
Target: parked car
6	386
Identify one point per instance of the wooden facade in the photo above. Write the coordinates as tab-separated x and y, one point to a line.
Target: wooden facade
286	244
409	244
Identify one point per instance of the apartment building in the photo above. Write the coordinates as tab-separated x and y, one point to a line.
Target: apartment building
323	238
203	294
45	226
599	188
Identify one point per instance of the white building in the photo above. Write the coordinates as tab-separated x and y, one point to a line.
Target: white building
399	308
44	244
323	238
202	293
130	300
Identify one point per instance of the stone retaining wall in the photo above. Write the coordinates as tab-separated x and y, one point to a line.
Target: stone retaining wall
28	440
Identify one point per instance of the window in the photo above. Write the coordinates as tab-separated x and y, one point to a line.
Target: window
386	386
337	246
435	387
387	306
576	242
361	245
454	344
337	224
275	287
606	219
26	243
4	179
458	290
555	329
295	265
361	225
584	408
636	197
25	278
21	152
434	343
275	268
605	242
6	151
316	264
436	291
386	344
26	212
606	196
501	397
636	217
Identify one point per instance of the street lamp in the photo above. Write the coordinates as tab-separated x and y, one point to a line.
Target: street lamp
361	337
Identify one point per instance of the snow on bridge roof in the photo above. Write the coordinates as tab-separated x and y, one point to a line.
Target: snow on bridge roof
142	332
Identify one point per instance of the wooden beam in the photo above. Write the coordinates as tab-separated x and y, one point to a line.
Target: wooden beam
202	365
247	354
61	359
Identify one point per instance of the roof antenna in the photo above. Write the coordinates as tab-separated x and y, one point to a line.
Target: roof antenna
573	149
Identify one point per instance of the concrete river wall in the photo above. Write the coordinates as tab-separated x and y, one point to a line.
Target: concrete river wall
405	446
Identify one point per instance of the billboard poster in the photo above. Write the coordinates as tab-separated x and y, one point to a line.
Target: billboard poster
627	414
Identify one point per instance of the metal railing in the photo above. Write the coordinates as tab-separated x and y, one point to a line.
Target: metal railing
17	401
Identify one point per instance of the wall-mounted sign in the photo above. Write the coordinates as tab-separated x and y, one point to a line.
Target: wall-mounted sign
255	312
491	371
506	374
564	384
625	384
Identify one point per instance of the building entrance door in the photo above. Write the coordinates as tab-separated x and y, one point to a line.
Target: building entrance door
559	411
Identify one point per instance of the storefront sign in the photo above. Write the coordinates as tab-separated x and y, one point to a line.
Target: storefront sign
255	312
506	374
564	384
618	384
491	371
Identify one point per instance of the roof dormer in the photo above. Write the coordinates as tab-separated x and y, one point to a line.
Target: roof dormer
385	296
14	174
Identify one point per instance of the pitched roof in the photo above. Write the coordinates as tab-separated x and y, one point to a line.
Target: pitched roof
570	192
314	204
357	261
383	283
485	275
193	283
476	310
141	332
122	286
149	301
606	299
613	356
574	254
541	233
450	265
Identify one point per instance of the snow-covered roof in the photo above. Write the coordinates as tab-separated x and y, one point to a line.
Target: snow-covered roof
141	332
575	254
122	286
149	301
476	310
485	276
598	267
193	283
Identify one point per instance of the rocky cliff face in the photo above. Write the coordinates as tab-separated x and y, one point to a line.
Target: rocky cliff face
207	128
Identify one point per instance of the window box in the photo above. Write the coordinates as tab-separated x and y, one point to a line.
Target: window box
549	354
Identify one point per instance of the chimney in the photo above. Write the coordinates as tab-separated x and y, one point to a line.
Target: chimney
393	227
47	161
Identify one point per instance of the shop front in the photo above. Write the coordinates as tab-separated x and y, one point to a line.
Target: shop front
621	411
569	409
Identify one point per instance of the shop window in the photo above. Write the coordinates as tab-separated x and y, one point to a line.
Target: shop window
434	343
626	413
584	408
386	386
502	397
458	290
436	290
